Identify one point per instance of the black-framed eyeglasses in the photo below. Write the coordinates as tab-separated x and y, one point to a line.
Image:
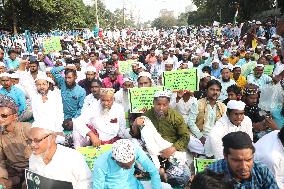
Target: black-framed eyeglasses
5	116
37	141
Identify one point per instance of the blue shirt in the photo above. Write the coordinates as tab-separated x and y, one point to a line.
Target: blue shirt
18	96
261	177
11	64
108	174
72	98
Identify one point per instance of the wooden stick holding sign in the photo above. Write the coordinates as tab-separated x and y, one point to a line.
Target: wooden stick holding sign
141	99
181	80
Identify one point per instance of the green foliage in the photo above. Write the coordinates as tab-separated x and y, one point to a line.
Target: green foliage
224	10
164	22
46	15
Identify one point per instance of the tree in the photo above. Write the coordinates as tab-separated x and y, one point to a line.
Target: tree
164	22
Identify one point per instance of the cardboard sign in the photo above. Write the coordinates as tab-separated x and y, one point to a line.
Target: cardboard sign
36	181
125	66
92	153
181	80
52	44
142	98
268	69
201	164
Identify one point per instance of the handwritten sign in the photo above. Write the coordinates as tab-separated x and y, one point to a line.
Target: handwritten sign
52	44
36	181
92	153
181	80
268	69
201	164
125	66
141	98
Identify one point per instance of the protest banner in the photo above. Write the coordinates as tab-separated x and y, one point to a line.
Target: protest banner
181	80
142	98
268	69
125	66
36	181
201	164
92	153
52	44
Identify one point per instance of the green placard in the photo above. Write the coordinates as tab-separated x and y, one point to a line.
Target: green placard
52	44
201	164
141	98
268	69
125	66
92	153
181	80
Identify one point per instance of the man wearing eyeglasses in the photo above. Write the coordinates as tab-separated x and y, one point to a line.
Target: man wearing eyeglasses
14	150
57	162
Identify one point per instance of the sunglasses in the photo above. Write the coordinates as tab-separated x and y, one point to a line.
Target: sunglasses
5	116
37	141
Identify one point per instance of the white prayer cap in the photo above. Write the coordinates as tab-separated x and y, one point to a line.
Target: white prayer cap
41	77
258	47
225	57
169	62
123	151
206	55
259	65
135	63
145	74
50	80
2	64
127	79
162	94
258	22
236	105
225	67
171	49
5	74
203	75
15	75
216	60
275	36
91	69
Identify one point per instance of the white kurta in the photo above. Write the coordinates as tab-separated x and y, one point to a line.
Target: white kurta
270	151
214	145
105	124
66	165
121	97
89	100
225	85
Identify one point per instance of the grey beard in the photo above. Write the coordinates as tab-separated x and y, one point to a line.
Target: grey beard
160	115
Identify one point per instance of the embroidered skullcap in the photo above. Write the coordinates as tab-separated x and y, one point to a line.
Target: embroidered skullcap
236	105
259	65
169	62
127	79
251	89
107	91
145	74
123	151
162	94
8	102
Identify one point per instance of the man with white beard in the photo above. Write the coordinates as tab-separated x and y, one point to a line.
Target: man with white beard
57	162
103	124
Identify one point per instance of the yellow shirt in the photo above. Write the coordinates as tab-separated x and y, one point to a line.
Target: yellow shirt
233	61
241	82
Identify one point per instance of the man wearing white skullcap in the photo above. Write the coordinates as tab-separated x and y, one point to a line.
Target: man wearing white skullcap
115	168
2	67
46	104
258	77
91	73
144	79
234	120
55	161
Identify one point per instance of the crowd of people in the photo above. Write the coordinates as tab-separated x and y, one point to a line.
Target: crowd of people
53	102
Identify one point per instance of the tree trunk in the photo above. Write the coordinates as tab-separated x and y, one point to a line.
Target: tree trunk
14	18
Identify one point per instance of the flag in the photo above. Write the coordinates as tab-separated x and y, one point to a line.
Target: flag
236	15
